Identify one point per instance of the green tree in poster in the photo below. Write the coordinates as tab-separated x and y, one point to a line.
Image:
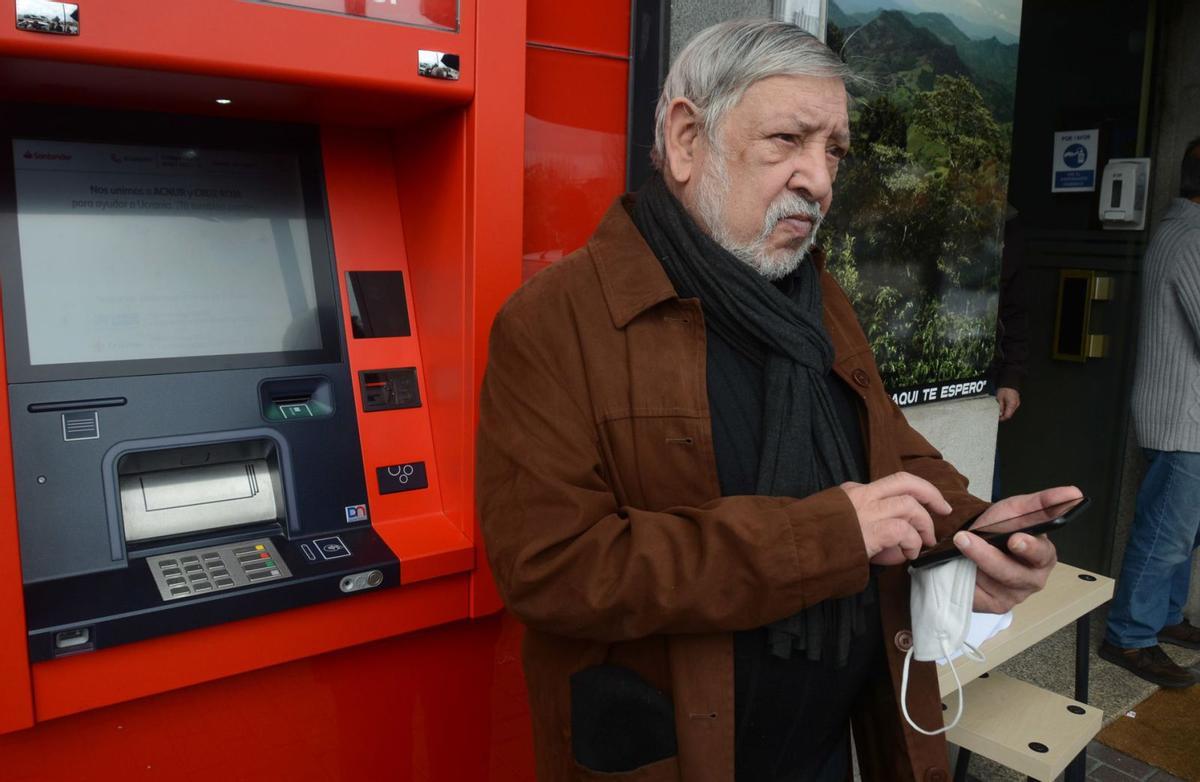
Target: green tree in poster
881	122
953	116
916	245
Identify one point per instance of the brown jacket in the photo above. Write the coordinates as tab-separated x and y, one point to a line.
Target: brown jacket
608	534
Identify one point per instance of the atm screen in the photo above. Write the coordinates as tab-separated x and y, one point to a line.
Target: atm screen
134	256
140	252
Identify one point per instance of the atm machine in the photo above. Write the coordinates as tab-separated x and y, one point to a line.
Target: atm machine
250	253
185	444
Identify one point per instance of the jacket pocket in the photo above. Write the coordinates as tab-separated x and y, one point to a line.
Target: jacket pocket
666	770
655	462
620	724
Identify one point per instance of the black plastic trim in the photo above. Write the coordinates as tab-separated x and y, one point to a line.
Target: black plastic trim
124	606
76	404
650	51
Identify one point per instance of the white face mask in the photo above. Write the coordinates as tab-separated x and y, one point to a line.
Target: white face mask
940	601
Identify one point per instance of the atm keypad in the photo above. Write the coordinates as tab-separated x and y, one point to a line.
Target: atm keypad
212	569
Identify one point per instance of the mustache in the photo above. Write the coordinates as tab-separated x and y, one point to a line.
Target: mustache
791	205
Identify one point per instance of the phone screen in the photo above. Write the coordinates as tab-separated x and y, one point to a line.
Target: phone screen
998	531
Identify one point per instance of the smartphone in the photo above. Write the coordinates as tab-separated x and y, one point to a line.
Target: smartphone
998	532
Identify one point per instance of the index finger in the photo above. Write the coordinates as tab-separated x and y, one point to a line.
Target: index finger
921	490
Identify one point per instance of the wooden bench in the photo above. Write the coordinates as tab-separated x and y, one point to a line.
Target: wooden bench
1033	731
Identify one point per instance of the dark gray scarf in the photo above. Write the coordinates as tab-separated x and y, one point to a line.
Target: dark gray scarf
804	449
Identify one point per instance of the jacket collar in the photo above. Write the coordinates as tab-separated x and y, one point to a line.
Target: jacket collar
631	277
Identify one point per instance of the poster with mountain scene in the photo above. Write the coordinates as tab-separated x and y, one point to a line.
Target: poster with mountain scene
916	229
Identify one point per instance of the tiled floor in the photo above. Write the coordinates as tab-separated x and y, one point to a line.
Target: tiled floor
1104	764
1108	765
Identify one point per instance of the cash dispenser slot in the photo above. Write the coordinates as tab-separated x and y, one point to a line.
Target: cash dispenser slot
191	499
185	492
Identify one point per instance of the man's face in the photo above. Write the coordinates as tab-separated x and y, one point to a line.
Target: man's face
763	187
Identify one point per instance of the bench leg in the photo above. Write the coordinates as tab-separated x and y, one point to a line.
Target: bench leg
1078	767
961	764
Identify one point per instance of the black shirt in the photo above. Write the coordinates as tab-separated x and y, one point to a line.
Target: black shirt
791	715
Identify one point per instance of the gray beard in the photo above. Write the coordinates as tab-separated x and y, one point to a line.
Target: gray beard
774	265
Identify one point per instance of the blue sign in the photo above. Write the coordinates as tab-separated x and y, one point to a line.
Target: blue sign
1075	161
1074	180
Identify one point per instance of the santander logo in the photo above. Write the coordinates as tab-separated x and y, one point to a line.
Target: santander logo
31	155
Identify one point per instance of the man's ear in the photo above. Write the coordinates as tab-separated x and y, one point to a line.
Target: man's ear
682	132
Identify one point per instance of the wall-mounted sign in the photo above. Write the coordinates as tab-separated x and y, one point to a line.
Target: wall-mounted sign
1075	161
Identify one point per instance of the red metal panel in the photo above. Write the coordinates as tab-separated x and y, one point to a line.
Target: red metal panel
493	227
574	149
599	26
111	87
253	41
433	200
363	207
439	13
361	179
87	681
16	702
439	706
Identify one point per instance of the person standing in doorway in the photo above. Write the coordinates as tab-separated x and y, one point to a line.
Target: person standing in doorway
1008	369
1156	571
1012	326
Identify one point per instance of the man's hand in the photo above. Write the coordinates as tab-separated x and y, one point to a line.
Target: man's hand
1006	579
893	515
1010	400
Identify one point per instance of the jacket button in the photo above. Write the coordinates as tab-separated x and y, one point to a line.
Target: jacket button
904	643
861	378
935	775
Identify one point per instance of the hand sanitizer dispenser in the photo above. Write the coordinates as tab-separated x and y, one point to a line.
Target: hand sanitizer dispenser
1123	191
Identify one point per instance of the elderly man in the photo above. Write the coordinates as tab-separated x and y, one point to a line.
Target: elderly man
690	477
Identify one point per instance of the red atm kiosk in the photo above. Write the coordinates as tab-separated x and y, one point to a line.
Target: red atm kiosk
249	256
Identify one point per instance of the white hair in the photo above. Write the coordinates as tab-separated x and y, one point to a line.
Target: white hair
716	67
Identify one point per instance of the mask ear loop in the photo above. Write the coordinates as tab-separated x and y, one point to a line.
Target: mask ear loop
971	652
